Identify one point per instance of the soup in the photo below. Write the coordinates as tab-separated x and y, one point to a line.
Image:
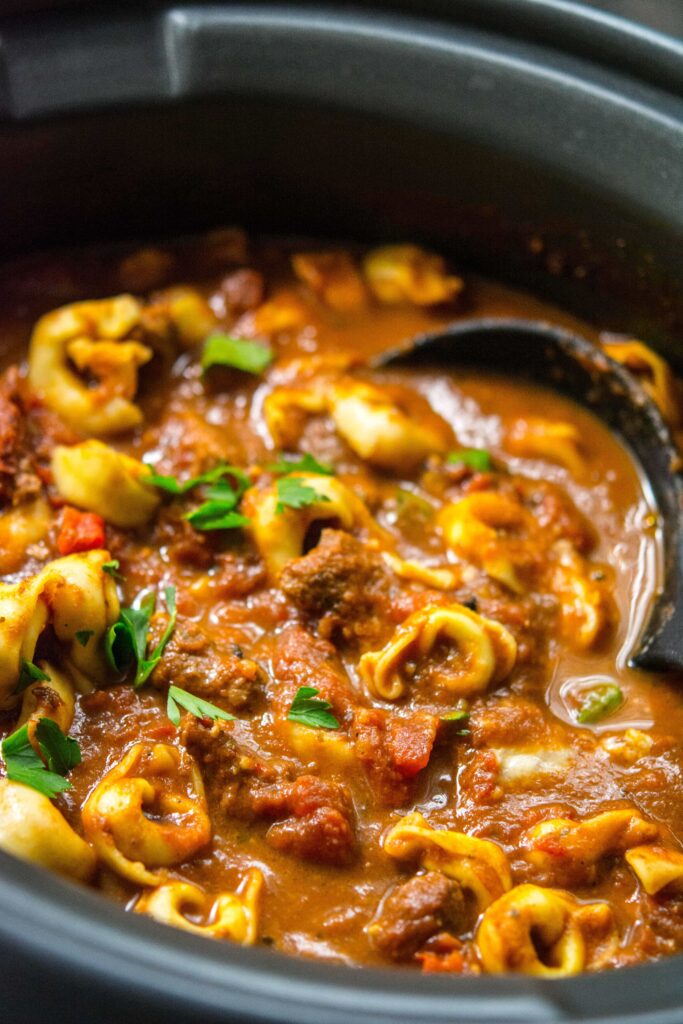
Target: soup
302	653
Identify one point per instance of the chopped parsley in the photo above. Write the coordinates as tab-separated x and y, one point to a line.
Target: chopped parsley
217	473
28	674
459	717
112	569
83	636
292	492
305	463
240	353
178	698
225	485
600	702
125	643
24	765
477	459
307	709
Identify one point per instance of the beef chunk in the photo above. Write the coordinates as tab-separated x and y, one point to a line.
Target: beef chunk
393	750
317	821
341	583
301	659
195	663
414	912
17	479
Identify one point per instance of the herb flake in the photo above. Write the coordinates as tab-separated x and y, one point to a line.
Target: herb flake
599	703
125	642
24	765
240	353
477	459
308	710
305	463
29	674
292	492
178	698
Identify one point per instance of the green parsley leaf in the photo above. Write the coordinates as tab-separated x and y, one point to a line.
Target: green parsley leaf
24	765
458	717
600	702
242	354
83	635
61	752
306	463
28	674
112	569
147	666
216	515
477	459
125	642
195	705
308	710
293	493
173	486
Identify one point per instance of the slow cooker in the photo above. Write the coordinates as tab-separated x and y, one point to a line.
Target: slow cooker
536	141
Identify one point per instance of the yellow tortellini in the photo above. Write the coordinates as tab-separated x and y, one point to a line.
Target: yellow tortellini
544	932
377	423
51	698
554	440
392	427
486	652
280	535
93	336
108	339
479	866
71	594
407	273
233	916
93	476
657	868
489	529
436	577
151	778
21	527
655	374
567	848
585	604
333	277
33	829
285	411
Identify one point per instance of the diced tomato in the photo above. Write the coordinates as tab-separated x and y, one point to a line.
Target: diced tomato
80	531
435	963
411	741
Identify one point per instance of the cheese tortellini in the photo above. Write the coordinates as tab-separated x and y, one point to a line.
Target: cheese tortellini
108	340
95	336
657	868
544	932
489	529
71	594
33	829
554	440
407	273
391	427
573	849
48	698
231	915
93	476
280	534
151	779
485	652
478	865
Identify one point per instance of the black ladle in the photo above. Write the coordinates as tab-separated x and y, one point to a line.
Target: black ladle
553	357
